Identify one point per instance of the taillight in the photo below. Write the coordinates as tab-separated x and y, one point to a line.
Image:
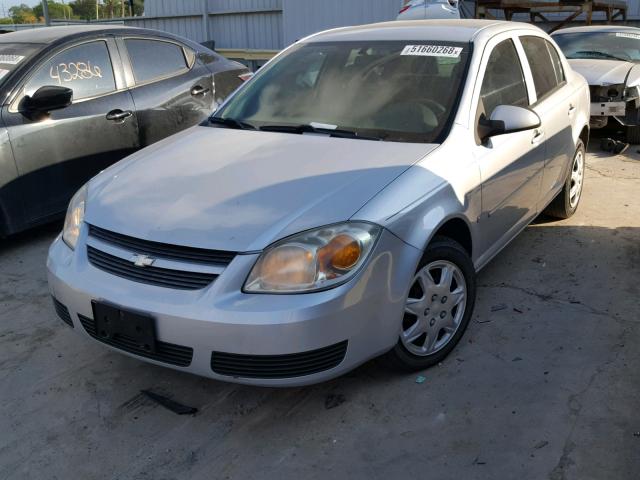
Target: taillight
245	76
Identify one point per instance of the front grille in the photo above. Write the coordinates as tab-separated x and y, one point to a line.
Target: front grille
278	366
162	277
63	312
165	352
163	250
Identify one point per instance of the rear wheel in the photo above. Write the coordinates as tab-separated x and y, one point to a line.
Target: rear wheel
437	308
566	203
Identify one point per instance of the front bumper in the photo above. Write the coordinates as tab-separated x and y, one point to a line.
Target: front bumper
608	109
366	312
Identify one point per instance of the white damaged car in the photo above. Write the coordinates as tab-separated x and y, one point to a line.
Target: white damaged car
608	57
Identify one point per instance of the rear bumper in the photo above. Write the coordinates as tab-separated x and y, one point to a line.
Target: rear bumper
365	313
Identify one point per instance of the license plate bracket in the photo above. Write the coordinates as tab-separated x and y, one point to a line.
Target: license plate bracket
114	323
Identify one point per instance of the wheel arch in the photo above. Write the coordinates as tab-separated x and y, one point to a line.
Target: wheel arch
455	228
584	135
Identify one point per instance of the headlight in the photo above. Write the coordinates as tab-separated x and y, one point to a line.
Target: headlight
74	218
313	260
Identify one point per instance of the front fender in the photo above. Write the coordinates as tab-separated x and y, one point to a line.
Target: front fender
420	201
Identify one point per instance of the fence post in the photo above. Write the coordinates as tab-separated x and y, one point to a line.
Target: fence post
45	12
206	31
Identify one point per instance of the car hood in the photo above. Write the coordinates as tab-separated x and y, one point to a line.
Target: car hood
602	72
241	190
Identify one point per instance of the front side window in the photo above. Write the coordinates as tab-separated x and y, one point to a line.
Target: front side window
153	59
544	73
503	82
86	69
391	90
622	45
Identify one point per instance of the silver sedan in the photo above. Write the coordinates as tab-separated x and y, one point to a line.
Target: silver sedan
336	208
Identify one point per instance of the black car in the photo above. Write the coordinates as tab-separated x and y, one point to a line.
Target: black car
76	99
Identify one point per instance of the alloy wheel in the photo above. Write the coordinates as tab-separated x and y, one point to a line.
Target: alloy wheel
434	308
577	177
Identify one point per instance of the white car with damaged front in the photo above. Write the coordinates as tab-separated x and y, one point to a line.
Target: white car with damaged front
608	57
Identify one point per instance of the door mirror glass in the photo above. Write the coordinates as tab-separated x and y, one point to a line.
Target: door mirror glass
48	98
508	119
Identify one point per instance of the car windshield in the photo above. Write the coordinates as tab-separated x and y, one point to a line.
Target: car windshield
12	55
600	45
392	91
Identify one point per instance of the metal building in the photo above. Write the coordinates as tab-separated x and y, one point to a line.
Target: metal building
270	24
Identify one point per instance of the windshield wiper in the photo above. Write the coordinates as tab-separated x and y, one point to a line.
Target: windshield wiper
231	123
305	128
595	53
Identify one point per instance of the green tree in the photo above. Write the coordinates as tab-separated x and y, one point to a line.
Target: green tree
57	10
86	9
22	14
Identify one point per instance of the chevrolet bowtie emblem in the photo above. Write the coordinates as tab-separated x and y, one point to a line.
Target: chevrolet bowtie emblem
142	260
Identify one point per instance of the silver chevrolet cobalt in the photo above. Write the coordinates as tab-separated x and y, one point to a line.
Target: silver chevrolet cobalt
336	208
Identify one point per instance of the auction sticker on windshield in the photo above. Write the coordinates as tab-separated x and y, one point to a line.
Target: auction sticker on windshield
432	51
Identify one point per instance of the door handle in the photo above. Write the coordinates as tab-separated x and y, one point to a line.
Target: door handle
538	135
198	90
118	115
572	109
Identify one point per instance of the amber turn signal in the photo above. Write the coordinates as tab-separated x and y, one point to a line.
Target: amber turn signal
341	253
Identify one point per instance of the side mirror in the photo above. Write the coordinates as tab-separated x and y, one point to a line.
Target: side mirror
507	119
48	98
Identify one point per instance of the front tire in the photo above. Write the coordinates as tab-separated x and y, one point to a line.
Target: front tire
438	307
567	201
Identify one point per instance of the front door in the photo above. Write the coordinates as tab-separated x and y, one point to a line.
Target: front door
56	154
511	165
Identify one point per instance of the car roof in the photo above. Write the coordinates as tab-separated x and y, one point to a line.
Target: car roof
464	30
597	29
46	35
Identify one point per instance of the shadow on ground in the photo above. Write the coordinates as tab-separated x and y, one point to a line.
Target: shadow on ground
544	385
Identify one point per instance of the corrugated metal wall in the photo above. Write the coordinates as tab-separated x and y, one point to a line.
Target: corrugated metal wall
303	17
274	24
254	24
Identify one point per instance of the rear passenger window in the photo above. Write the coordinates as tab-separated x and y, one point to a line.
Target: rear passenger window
547	72
153	59
503	82
86	69
557	64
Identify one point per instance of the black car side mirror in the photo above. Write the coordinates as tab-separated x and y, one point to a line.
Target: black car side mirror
48	98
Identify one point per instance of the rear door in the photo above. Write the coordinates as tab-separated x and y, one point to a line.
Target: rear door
556	107
171	88
55	155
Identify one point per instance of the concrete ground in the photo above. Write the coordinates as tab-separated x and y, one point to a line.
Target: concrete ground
545	386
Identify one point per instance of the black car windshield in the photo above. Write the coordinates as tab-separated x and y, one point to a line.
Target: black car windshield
392	91
600	45
13	55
